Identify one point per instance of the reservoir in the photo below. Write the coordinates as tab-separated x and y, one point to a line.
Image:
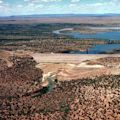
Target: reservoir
113	34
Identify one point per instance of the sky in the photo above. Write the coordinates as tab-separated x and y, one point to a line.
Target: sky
28	7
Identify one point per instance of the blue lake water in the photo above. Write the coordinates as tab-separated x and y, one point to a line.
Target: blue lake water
111	35
99	49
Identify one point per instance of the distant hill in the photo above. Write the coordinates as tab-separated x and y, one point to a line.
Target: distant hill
58	15
62	18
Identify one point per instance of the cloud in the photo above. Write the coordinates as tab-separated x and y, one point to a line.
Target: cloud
97	4
46	1
5	9
99	7
74	1
1	1
72	5
53	7
51	0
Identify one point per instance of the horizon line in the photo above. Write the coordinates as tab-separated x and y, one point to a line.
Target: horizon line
60	14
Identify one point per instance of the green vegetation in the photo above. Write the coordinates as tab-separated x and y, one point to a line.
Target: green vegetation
40	38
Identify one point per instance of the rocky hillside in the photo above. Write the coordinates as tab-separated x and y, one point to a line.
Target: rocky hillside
86	99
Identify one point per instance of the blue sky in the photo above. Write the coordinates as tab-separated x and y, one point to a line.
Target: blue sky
27	7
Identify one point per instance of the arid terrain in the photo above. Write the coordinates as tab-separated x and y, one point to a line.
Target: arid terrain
48	76
86	86
63	19
72	67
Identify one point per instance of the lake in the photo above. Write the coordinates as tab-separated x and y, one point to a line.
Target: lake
108	35
112	35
